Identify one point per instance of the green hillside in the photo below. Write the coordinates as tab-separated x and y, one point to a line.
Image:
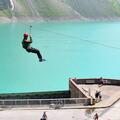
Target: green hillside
52	9
96	8
5	8
42	8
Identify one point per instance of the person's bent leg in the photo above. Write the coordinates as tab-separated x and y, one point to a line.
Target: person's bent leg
34	50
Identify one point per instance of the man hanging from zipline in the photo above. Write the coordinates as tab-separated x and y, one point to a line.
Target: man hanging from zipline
26	45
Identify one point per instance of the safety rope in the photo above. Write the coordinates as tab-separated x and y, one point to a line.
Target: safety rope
84	40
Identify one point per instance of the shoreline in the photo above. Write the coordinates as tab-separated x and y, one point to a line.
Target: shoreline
54	19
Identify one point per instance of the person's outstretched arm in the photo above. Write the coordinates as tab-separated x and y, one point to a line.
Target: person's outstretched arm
30	38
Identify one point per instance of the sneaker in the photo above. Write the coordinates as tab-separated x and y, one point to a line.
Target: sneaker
41	60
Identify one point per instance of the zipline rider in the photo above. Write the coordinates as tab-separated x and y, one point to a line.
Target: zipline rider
26	45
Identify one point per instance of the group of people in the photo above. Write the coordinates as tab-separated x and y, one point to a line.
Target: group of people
44	116
26	44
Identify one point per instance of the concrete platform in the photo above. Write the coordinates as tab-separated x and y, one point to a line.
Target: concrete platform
106	111
111	113
110	94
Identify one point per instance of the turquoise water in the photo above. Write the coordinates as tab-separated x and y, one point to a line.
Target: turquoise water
72	49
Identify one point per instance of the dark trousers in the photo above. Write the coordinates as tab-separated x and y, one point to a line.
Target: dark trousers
34	50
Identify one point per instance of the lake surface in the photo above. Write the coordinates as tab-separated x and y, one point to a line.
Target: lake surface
72	49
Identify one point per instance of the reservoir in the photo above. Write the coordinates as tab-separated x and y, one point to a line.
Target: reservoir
71	49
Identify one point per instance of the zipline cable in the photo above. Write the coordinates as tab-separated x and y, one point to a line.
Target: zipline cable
84	40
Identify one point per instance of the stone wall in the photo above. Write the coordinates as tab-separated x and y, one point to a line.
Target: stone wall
37	95
106	81
74	90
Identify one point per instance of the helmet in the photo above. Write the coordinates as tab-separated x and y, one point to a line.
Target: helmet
25	34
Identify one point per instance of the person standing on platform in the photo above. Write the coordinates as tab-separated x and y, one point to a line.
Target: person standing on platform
44	117
96	116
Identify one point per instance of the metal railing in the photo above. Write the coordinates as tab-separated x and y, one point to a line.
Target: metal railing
43	102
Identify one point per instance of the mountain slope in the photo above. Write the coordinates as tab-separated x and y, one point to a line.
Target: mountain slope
42	8
59	9
96	8
5	7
